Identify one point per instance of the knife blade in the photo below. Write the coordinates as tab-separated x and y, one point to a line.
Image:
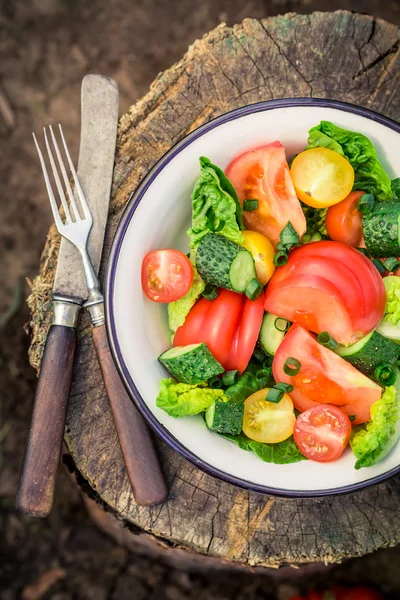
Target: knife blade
99	120
99	98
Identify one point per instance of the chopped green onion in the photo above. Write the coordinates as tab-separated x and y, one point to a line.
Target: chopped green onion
391	264
210	292
281	324
289	236
280	247
263	373
268	362
379	265
254	289
292	366
280	258
306	238
385	374
327	340
274	395
366	203
285	387
317	237
250	205
215	383
230	377
352	417
259	354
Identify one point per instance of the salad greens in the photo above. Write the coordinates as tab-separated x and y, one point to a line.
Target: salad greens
395	185
374	440
390	324
369	175
315	219
281	453
247	385
183	399
214	208
178	310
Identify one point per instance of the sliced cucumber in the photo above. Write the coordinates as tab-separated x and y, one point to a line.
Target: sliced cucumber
191	364
224	417
370	352
270	337
224	264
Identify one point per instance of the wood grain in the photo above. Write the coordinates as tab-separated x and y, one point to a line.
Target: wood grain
140	456
339	55
42	454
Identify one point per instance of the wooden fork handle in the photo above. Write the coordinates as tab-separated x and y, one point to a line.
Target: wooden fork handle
141	460
42	454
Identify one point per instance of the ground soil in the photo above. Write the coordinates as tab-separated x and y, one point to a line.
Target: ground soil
46	47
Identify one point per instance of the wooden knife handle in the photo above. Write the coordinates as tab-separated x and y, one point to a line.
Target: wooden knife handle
42	454
141	460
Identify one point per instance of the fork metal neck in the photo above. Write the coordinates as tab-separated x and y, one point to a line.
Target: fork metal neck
95	301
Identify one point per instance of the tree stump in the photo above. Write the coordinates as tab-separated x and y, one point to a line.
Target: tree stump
337	55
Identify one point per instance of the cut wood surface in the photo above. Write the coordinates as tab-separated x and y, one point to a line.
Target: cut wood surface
332	55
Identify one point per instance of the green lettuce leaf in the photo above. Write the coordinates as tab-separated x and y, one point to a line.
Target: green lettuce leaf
247	385
214	209
281	453
178	310
395	185
374	440
183	399
392	308
369	174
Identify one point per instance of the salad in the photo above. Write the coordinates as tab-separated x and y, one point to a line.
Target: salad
285	314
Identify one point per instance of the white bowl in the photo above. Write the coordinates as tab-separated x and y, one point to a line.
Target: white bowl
157	216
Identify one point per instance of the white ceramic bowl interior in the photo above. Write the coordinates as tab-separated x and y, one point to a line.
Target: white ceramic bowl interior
157	217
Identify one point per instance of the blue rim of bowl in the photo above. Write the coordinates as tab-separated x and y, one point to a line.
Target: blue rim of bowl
119	235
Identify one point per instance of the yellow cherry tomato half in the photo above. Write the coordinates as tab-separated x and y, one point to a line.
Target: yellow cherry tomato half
321	177
263	252
268	422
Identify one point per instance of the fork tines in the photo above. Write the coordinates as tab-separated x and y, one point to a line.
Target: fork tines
71	210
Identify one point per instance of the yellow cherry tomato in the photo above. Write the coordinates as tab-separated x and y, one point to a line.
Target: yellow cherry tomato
266	421
321	177
263	253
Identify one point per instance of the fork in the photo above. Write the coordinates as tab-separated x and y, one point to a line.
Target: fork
137	447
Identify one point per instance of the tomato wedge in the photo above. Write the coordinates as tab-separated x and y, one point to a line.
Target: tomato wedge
324	377
246	336
344	221
322	432
166	275
263	174
229	325
328	286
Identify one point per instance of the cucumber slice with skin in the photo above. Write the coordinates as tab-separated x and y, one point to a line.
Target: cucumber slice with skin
225	417
191	364
270	337
224	264
381	229
370	352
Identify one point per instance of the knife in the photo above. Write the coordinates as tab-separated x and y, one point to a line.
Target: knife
96	159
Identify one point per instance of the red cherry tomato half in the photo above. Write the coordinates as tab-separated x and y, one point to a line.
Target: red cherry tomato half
324	377
344	221
263	174
166	275
322	432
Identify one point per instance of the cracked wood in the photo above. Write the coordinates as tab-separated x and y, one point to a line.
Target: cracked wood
335	55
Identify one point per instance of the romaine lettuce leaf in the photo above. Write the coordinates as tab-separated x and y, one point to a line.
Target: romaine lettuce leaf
374	440
183	399
214	209
281	453
360	152
178	310
395	185
247	385
392	308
